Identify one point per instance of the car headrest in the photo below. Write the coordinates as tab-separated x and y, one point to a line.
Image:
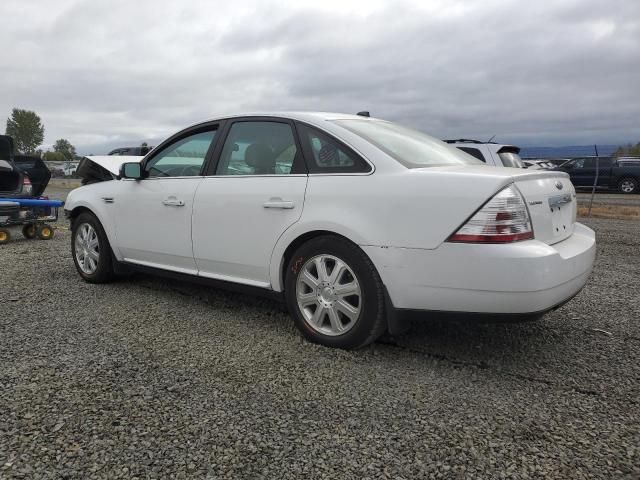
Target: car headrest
261	158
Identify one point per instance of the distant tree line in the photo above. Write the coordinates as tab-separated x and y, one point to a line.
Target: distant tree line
628	151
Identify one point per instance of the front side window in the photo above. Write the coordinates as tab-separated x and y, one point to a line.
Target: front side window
409	147
183	158
326	155
258	148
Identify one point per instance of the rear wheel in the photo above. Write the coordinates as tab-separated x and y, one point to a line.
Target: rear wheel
44	232
91	250
29	231
335	294
5	236
628	185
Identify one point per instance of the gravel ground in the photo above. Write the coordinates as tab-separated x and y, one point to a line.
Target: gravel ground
149	378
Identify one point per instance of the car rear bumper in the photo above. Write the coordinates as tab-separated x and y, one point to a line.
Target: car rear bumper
522	279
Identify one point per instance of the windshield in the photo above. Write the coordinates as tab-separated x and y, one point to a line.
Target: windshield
411	148
511	159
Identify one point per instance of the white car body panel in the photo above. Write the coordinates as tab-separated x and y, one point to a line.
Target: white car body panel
400	217
238	219
153	226
521	277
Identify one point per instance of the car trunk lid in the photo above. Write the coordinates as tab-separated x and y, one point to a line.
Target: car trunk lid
551	201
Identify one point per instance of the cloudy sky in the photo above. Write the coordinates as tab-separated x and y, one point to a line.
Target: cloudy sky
106	73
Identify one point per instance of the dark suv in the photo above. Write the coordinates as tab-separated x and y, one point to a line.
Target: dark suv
131	151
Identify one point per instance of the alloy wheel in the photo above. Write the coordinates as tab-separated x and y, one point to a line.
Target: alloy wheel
87	248
627	186
328	295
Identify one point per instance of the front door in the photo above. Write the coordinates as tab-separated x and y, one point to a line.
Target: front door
255	193
153	223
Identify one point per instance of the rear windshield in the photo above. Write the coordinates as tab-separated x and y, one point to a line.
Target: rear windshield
511	159
411	148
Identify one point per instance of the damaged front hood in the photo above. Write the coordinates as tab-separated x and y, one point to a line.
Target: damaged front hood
112	163
102	168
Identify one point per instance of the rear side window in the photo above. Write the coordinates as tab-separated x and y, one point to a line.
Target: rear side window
411	148
474	152
510	159
325	154
258	148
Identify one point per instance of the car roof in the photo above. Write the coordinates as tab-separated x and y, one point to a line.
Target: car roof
310	117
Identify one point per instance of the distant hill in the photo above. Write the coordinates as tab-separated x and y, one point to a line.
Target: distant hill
565	152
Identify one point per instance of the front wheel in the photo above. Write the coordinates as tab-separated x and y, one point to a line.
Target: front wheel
5	236
335	294
628	185
91	250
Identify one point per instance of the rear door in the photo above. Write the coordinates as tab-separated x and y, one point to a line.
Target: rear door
251	195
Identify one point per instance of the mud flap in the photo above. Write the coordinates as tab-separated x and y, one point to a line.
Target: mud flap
396	324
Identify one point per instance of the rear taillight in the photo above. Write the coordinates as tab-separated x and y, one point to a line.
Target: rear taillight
27	188
503	219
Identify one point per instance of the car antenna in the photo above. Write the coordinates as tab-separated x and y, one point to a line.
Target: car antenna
364	114
489	141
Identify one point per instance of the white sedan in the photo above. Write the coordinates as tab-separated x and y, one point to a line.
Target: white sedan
353	220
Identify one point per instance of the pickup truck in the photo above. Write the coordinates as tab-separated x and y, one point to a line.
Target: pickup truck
612	173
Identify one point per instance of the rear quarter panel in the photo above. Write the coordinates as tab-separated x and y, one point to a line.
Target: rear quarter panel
416	208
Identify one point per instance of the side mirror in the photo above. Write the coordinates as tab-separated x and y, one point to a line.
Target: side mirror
131	170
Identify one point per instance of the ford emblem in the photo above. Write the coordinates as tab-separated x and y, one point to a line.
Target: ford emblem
559	185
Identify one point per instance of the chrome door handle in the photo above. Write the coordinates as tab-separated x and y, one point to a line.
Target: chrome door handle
172	202
278	203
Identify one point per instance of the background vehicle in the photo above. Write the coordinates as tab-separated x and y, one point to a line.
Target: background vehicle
537	163
491	153
36	169
613	174
353	221
131	151
14	182
623	161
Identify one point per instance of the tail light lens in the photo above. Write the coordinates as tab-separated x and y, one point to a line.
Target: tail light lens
27	188
503	219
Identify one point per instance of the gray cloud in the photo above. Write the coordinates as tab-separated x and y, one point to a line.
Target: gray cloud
104	73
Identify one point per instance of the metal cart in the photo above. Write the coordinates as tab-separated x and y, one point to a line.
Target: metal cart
32	214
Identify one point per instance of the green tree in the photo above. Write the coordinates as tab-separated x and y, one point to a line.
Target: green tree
628	151
64	147
53	157
26	129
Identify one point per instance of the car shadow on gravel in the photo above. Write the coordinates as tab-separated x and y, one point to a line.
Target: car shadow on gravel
457	341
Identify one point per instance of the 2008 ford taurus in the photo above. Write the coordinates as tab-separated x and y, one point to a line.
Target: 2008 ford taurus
353	220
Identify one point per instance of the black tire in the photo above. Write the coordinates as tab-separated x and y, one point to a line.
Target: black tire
628	185
29	231
44	232
104	270
5	236
371	320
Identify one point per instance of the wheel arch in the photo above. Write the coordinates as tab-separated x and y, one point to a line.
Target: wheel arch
286	247
77	210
